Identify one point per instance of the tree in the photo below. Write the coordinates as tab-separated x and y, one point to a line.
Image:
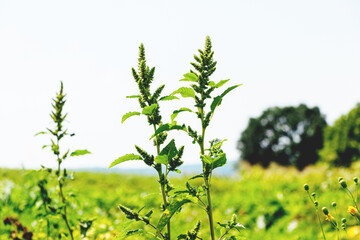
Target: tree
342	140
288	136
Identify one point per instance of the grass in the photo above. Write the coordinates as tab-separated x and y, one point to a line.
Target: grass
271	203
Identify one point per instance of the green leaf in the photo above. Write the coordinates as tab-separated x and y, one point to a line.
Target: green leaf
222	82
185	92
164	159
169	150
218	145
197	176
217	100
168	127
149	109
127	157
169	212
176	112
79	153
40	133
133	96
190	77
219	161
166	98
206	159
134	232
129	114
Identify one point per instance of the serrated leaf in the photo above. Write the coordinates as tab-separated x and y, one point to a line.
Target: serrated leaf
217	100
149	109
133	96
79	152
127	157
163	159
169	212
176	112
189	77
129	114
167	98
185	92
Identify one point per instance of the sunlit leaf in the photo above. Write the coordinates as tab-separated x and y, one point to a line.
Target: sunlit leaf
176	112
129	114
133	96
185	92
149	109
217	100
79	152
166	98
169	212
127	157
189	77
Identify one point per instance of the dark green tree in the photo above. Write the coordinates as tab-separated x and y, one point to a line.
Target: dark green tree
287	136
342	140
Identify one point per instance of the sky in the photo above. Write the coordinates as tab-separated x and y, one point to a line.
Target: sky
283	52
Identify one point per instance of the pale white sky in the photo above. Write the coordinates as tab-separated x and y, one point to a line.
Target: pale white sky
284	52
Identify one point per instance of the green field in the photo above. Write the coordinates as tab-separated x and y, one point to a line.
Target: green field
271	204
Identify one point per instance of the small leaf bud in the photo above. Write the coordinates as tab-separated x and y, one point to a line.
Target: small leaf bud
333	204
306	187
343	184
325	211
356	180
343	220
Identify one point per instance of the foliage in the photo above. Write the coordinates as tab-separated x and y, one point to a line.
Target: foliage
168	158
342	140
57	134
333	218
98	195
287	136
200	91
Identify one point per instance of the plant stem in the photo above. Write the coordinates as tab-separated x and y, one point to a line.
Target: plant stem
64	215
206	181
317	213
162	185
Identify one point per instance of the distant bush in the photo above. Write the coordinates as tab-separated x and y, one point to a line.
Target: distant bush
342	140
287	136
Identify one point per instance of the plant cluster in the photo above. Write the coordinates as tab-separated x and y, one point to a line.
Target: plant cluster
337	222
51	207
168	158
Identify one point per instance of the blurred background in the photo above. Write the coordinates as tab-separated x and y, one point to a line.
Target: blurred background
285	53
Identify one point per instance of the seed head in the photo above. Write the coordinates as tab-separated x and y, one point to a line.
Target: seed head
356	180
306	187
313	194
343	183
333	204
340	178
325	211
343	220
316	203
